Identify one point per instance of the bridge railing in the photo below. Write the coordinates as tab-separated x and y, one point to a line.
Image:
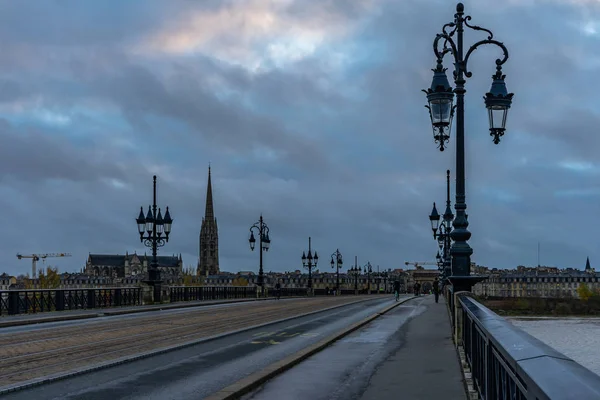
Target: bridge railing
508	363
199	293
26	301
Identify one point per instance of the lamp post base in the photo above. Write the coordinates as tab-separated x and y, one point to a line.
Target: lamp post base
465	283
155	288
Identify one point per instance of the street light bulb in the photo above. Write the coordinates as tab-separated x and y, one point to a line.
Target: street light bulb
149	221
498	101
440	97
167	221
141	222
252	241
434	218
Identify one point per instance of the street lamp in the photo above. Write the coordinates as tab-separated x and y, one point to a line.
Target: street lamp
338	265
440	96
264	242
385	275
151	228
355	272
443	232
309	261
368	269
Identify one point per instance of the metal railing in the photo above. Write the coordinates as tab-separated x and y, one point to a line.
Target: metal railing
13	302
509	364
199	293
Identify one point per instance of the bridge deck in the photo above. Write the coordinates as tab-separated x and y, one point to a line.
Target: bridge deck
427	365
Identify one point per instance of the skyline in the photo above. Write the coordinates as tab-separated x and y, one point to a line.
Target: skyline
310	112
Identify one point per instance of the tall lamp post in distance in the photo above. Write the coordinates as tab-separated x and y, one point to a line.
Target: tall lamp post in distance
309	261
441	110
338	265
355	272
264	242
151	229
368	270
443	233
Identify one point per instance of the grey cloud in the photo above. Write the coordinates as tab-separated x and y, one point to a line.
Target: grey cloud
343	157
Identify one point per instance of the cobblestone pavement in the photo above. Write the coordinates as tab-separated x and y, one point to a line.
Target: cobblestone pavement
39	353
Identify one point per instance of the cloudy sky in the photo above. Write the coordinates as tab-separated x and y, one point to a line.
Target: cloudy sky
310	112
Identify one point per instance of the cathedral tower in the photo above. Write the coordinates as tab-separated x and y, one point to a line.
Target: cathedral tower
208	260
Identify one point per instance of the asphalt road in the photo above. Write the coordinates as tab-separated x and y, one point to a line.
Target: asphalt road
198	371
406	353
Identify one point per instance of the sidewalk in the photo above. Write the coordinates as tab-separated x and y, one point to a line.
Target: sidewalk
426	366
69	315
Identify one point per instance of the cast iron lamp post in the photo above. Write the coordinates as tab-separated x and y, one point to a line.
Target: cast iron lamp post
309	261
151	229
443	232
264	242
355	272
368	270
385	275
440	97
338	265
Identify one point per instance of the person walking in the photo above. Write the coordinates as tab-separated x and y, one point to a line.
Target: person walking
278	290
436	289
397	289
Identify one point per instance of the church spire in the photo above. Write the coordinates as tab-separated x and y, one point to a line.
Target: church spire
209	213
587	264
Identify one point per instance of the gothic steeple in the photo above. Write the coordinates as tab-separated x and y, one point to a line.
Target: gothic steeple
588	267
208	257
209	213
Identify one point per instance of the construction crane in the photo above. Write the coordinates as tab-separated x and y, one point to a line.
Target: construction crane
419	263
36	257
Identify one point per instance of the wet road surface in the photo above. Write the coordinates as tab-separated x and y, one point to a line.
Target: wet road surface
200	370
404	354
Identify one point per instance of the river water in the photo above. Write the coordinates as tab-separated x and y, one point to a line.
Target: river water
577	338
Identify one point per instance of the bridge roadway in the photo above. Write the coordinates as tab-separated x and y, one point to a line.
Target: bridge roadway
34	351
341	371
407	353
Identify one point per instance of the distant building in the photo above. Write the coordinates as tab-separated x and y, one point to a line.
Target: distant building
131	265
208	257
542	281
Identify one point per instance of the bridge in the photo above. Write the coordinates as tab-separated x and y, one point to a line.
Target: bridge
227	343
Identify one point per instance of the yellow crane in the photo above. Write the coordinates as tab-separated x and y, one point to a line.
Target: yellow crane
36	257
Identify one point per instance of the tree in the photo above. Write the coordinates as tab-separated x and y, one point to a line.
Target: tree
584	292
240	281
49	279
189	276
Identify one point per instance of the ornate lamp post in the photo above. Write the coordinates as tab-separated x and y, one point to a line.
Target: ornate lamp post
385	275
264	242
310	261
440	97
443	232
368	270
355	272
151	228
338	265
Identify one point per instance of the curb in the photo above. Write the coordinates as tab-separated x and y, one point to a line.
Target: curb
115	311
245	385
147	354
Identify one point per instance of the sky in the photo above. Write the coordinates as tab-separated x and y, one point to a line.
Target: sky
309	111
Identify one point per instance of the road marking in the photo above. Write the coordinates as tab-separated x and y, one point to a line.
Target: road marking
271	341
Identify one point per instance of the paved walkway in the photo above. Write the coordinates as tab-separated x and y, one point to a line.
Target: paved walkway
426	366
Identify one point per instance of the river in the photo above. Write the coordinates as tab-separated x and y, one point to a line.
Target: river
577	338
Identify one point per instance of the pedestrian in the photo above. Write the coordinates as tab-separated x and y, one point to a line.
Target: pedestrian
436	289
396	289
278	290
